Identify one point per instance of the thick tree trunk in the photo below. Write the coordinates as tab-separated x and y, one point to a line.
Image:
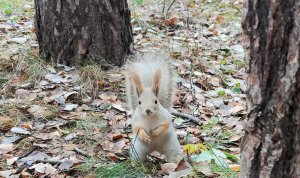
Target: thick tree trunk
271	145
73	30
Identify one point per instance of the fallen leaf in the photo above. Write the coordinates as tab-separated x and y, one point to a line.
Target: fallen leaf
70	136
19	40
220	19
7	140
53	78
26	125
7	173
39	111
178	121
47	169
118	146
236	109
6	123
5	148
235	167
172	21
68	94
19	130
66	165
11	160
107	97
70	107
168	167
118	107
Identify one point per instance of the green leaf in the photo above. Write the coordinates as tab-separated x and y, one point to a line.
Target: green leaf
15	19
236	90
8	11
221	93
139	2
218	153
214	120
220	162
188	137
223	62
202	157
178	121
237	85
105	106
231	157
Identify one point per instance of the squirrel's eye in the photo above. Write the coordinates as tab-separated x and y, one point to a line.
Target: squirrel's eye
139	102
155	101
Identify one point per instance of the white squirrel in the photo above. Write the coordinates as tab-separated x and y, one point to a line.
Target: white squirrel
150	86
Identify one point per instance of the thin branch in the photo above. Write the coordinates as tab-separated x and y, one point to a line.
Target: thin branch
170	6
163	9
80	151
186	116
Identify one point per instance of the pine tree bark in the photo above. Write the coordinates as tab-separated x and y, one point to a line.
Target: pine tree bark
70	31
271	145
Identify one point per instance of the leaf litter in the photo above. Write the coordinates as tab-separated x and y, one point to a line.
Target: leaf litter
54	120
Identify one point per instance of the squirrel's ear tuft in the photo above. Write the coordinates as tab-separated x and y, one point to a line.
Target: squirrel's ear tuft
156	81
136	80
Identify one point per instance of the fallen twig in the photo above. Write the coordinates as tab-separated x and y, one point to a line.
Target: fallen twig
80	151
163	9
170	6
186	116
56	161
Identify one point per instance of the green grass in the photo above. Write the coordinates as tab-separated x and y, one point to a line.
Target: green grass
124	169
15	7
90	76
36	68
88	123
223	171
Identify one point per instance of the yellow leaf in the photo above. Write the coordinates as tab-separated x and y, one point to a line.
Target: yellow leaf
190	148
201	147
235	167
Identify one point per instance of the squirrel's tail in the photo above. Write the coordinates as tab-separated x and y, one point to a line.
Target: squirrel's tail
145	67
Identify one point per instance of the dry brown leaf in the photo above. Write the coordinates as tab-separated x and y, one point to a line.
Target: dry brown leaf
172	21
26	125
168	167
47	169
40	111
220	19
5	148
6	123
235	167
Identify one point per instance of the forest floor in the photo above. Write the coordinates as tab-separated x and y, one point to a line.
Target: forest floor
60	121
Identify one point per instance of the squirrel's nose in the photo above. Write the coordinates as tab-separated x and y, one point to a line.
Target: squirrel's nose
148	111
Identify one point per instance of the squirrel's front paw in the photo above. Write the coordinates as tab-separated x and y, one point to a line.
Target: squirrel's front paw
143	136
155	132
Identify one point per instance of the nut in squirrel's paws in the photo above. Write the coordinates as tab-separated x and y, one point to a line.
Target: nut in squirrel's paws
143	136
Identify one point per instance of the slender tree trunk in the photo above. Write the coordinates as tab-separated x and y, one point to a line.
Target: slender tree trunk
70	31
271	145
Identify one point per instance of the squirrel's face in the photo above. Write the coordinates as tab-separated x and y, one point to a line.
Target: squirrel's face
148	103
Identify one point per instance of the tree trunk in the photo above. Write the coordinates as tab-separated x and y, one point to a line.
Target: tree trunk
72	30
271	145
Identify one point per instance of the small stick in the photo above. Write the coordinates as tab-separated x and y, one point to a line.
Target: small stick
186	116
55	161
163	9
80	151
170	7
